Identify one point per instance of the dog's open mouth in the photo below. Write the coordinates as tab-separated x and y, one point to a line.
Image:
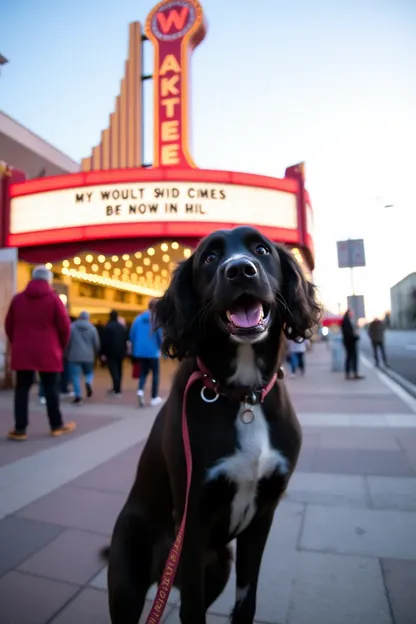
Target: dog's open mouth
247	315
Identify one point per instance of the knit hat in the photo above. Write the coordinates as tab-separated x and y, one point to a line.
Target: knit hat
41	272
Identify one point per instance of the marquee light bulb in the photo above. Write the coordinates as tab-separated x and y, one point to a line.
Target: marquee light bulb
165	258
101	258
164	246
107	265
77	260
151	251
187	253
139	270
48	265
138	255
175	245
65	263
126	257
89	258
129	264
155	268
146	261
114	258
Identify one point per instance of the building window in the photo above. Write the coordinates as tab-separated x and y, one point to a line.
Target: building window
93	291
121	296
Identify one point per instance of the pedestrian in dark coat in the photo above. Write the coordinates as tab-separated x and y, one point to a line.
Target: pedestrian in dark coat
350	339
114	350
376	333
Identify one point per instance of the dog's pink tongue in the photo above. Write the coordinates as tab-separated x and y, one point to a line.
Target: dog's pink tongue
245	317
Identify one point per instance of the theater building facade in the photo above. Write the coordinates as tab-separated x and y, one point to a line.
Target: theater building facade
113	230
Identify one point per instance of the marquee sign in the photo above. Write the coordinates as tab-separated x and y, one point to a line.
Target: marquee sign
138	203
152	201
175	28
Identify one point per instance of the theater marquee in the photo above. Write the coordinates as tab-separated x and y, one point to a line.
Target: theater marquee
126	203
81	206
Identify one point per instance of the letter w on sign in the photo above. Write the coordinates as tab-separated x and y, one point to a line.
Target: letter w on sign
173	18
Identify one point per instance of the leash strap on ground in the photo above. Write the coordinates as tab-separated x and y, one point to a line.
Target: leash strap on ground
172	562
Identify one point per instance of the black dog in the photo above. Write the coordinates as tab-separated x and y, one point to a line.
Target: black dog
230	305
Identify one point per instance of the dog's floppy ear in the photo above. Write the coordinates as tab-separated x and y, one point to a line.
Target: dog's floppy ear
176	313
297	299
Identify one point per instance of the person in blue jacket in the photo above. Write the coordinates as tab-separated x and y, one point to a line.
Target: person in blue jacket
145	349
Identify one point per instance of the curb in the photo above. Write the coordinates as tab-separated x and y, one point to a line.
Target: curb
389	375
404	383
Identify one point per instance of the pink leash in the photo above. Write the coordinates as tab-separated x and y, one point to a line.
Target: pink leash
172	562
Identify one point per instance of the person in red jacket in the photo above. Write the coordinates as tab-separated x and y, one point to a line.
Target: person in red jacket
38	328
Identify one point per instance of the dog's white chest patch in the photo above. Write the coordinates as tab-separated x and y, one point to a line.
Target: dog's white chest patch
252	461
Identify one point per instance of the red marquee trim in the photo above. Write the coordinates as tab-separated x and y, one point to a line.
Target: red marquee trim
120	176
158	230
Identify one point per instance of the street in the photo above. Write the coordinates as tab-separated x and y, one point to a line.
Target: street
400	351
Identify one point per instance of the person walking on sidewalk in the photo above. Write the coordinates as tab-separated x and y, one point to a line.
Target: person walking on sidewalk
350	339
296	352
114	350
37	326
83	348
376	334
145	349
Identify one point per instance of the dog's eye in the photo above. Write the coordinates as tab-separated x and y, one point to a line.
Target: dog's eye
262	250
210	257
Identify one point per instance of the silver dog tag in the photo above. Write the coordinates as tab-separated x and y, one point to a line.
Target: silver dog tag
247	414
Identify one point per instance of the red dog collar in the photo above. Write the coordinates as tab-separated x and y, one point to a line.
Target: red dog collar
242	394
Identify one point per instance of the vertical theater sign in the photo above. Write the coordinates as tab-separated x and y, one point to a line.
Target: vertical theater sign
115	200
175	29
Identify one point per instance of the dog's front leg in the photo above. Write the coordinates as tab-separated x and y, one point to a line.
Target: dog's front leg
250	547
192	610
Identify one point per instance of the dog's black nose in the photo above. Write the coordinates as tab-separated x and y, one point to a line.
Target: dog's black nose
240	268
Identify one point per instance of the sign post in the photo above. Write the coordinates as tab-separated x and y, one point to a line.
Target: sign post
356	303
351	254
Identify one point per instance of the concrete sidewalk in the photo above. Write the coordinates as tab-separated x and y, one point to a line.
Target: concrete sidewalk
342	548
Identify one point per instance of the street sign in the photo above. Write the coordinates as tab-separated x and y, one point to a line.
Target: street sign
351	253
356	304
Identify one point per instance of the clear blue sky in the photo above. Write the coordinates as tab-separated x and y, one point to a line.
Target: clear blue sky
329	82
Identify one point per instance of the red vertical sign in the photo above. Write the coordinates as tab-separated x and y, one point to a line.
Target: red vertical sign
175	28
